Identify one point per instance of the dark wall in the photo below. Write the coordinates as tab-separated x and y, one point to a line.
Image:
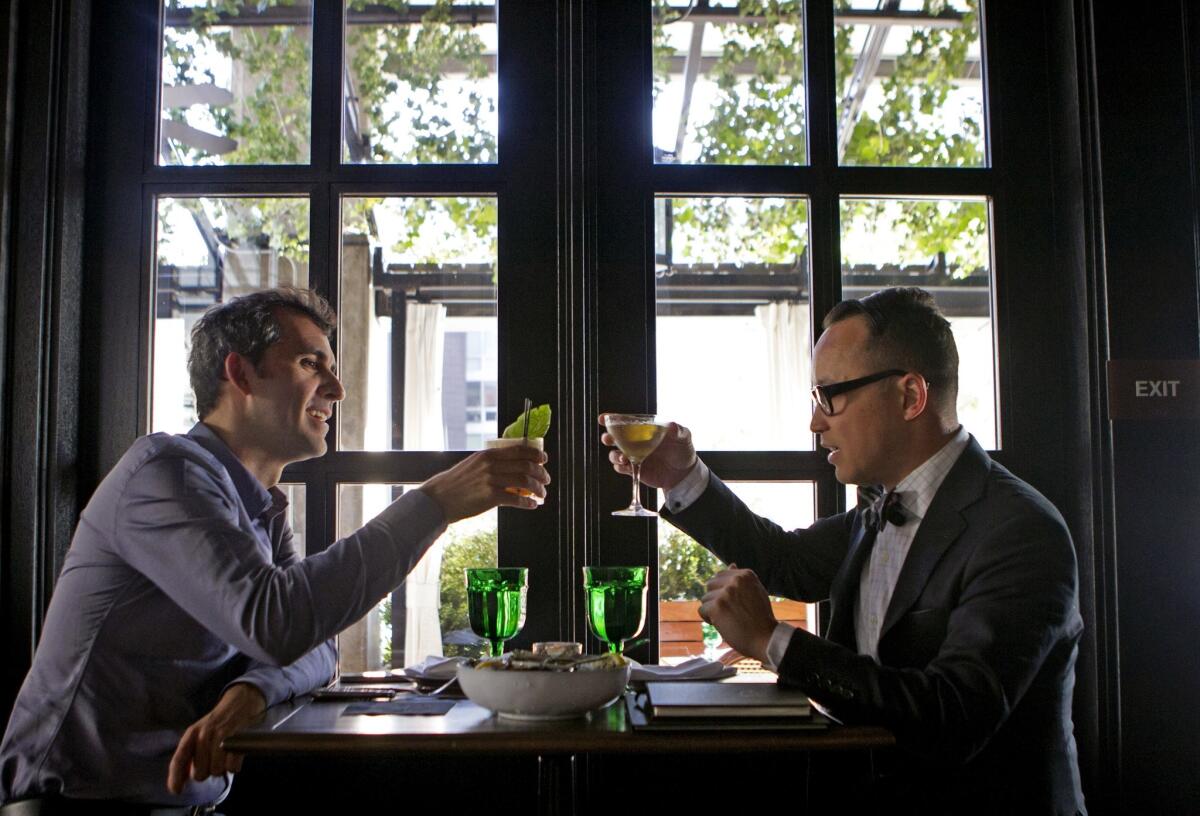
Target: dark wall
43	93
1147	146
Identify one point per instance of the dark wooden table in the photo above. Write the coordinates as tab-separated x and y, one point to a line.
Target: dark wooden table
318	730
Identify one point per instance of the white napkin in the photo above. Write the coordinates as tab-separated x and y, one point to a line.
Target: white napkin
434	668
695	669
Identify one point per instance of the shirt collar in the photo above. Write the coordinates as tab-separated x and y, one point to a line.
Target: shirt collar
918	488
255	498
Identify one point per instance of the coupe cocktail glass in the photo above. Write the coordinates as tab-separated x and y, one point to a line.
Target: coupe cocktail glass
496	603
637	435
616	603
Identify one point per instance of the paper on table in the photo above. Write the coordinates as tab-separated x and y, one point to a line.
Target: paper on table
434	668
695	669
428	708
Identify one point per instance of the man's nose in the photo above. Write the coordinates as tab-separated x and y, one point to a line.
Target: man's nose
334	389
818	423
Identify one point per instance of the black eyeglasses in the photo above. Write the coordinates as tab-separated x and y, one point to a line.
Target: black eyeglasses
823	394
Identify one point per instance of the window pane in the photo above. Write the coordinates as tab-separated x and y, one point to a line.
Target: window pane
729	82
420	83
732	334
427	615
296	515
207	251
417	323
684	567
943	246
236	82
910	94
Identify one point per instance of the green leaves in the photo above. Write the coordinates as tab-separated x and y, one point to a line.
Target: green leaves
462	551
539	424
684	567
759	118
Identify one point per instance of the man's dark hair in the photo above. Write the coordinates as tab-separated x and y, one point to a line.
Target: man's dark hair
247	325
908	331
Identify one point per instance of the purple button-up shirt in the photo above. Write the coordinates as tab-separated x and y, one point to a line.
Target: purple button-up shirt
182	579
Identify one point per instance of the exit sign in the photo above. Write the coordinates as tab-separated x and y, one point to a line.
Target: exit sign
1154	389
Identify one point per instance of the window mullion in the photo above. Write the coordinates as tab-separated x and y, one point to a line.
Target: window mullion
535	310
327	102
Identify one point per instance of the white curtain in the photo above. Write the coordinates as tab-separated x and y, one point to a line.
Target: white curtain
788	373
423	344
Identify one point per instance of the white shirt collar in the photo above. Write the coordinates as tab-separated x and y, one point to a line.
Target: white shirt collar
918	488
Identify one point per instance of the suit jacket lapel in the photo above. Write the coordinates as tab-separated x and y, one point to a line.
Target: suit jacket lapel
843	593
941	527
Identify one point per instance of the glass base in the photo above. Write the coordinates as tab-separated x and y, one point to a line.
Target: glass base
636	511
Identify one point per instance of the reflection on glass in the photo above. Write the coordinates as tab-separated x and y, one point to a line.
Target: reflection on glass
296	517
910	84
732	332
427	614
208	250
417	323
420	83
943	246
684	566
729	82
236	82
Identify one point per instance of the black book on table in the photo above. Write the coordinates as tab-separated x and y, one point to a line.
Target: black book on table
705	698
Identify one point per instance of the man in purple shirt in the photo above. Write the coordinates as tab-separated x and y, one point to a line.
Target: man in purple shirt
182	610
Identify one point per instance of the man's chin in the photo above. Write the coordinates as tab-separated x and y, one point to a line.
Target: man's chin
313	450
847	476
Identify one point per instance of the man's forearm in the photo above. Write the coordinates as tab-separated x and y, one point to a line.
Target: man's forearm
281	683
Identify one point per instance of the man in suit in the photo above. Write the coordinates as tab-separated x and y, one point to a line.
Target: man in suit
954	597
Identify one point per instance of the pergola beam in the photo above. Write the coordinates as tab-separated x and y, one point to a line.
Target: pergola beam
475	15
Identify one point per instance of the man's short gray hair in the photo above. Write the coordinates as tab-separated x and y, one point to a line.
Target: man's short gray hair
248	326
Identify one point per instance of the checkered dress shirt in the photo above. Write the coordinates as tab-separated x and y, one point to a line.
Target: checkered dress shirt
882	570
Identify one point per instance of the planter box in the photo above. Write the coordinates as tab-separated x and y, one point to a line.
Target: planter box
679	631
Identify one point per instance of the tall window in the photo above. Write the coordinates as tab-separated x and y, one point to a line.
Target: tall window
630	205
247	85
801	157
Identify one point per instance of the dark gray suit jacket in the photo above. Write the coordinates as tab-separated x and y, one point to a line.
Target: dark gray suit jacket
978	646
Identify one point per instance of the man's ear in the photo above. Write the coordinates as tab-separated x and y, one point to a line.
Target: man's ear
237	372
916	395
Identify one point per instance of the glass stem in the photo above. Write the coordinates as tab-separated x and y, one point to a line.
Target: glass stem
497	648
636	504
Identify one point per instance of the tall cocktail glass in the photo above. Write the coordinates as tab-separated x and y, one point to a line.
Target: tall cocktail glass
533	442
616	603
496	603
637	435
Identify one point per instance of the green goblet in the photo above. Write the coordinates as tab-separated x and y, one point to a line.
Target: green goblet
496	603
616	603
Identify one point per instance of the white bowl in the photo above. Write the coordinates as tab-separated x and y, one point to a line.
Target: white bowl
540	694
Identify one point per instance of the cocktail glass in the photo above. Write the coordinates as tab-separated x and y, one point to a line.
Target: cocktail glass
496	603
637	435
533	442
616	603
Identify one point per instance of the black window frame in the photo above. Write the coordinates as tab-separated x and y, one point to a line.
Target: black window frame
575	180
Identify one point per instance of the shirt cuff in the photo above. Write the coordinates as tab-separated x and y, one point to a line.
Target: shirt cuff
780	638
689	488
271	684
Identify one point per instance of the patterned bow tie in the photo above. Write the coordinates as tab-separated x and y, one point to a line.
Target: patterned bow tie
883	509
